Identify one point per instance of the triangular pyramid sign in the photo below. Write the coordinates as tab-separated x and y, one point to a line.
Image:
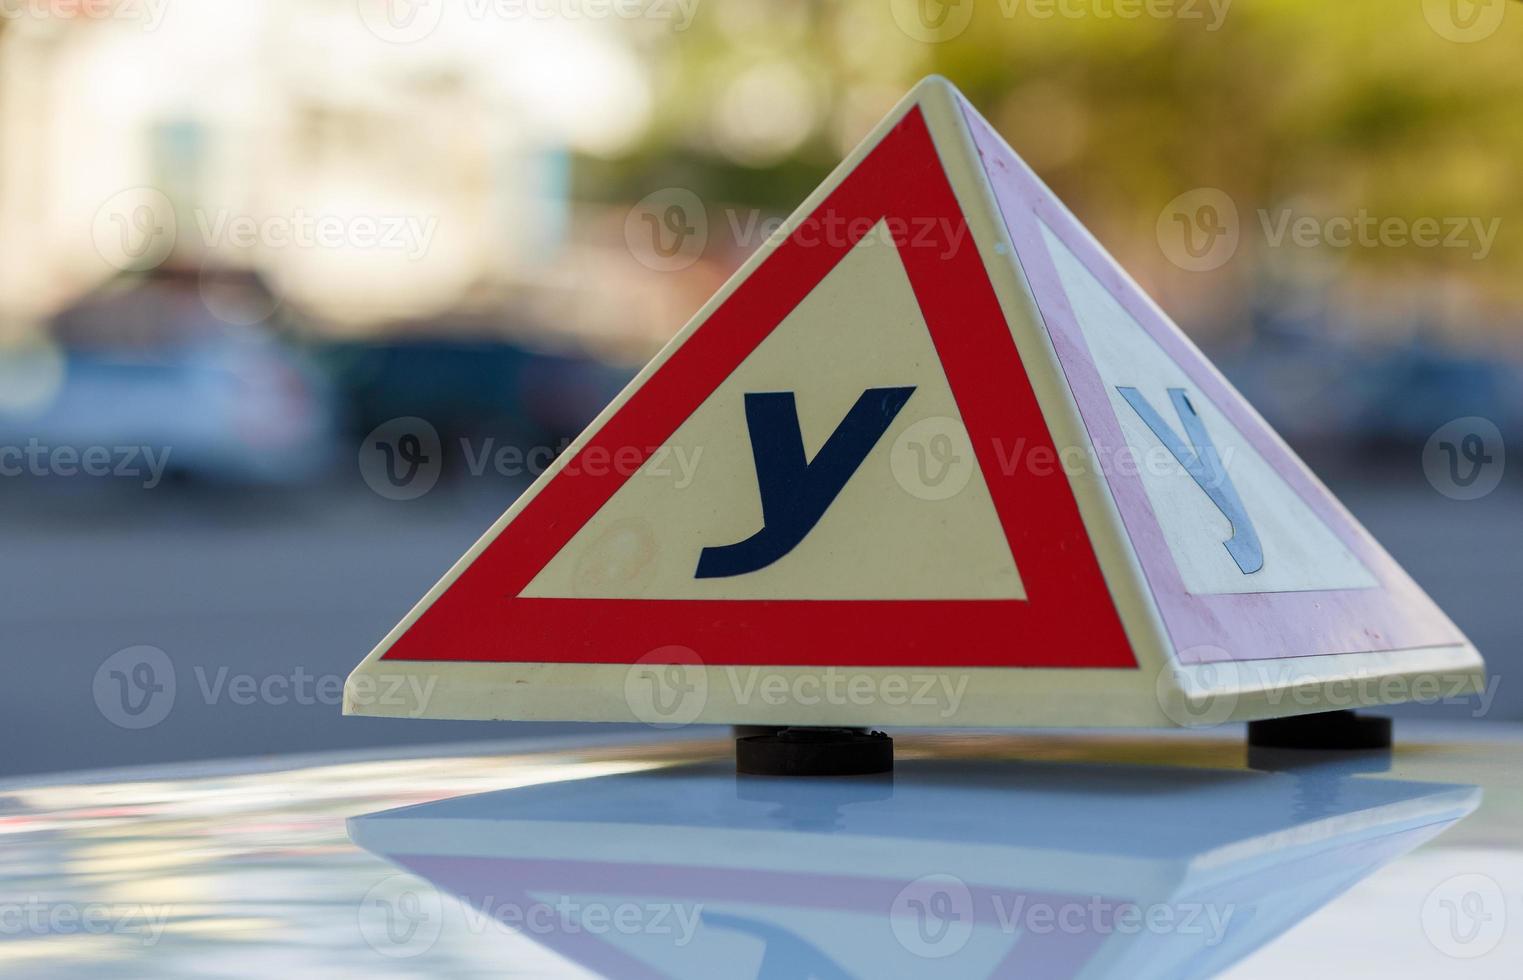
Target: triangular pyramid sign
930	457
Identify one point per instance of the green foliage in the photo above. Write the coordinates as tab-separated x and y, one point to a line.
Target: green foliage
1332	107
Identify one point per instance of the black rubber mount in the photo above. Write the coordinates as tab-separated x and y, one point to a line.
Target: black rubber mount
1327	731
815	752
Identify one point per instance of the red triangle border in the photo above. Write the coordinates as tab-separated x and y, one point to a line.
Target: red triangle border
1068	618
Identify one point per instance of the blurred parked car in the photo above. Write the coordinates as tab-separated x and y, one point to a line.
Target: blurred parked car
470	385
145	367
1319	387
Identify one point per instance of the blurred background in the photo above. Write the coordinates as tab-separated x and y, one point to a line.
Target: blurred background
297	295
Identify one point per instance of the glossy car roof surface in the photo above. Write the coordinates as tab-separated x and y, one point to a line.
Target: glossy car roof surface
1049	855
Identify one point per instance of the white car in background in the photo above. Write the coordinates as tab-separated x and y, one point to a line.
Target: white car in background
147	375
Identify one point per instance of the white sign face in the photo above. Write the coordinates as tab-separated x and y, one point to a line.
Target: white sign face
913	520
1297	551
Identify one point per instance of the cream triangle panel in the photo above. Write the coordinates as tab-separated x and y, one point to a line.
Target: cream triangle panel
913	521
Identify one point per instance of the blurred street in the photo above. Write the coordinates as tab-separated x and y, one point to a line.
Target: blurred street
291	590
293	594
297	296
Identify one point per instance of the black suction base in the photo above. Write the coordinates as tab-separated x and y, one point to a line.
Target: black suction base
815	752
1327	731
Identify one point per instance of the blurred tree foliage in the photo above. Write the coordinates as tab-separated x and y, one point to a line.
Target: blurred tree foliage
1321	108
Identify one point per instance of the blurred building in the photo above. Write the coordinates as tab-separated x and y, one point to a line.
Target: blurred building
580	177
369	182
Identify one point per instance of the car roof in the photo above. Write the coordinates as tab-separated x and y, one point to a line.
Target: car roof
1074	854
